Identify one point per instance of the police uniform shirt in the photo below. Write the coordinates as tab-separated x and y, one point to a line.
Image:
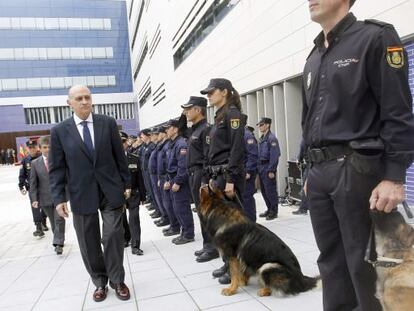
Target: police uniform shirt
133	166
252	152
269	152
177	161
227	142
162	159
197	147
357	88
24	173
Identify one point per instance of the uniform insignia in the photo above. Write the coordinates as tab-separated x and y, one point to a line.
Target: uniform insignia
132	166
183	151
208	140
395	56
235	123
274	144
309	80
28	166
250	141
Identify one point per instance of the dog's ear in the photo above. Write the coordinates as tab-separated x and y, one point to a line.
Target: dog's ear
204	194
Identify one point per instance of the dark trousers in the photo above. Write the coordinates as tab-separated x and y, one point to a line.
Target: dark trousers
148	188
338	197
268	187
169	208
57	223
125	224
134	221
182	210
249	203
157	195
106	264
195	184
37	213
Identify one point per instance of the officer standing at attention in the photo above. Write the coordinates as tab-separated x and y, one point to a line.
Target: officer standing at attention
132	203
358	126
177	183
127	232
39	217
250	162
195	111
225	160
269	154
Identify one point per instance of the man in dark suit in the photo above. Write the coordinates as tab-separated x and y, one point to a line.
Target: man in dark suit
41	197
87	155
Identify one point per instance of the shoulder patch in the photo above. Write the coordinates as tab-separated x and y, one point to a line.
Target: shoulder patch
183	151
274	144
377	22
235	123
395	56
250	141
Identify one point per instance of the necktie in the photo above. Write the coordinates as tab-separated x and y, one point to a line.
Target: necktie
47	165
87	139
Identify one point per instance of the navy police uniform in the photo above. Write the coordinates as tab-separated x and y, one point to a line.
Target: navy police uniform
358	127
146	153
251	159
269	153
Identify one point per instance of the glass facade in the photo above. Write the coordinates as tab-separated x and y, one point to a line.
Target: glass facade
48	45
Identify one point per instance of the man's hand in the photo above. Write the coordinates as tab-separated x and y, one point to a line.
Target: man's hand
175	188
386	196
305	187
247	176
23	191
271	175
127	193
35	204
62	210
167	185
229	190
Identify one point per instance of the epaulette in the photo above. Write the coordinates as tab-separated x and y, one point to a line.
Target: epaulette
376	22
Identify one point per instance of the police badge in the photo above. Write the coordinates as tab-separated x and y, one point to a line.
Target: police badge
395	57
235	123
308	82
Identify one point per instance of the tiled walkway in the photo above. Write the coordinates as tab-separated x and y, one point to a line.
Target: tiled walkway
166	278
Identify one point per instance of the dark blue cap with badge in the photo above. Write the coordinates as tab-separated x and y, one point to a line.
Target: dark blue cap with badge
264	121
218	83
124	136
31	143
154	131
195	101
172	122
145	132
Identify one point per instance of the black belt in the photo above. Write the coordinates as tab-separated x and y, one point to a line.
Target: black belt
216	170
328	153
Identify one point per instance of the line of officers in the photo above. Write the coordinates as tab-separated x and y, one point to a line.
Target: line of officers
169	163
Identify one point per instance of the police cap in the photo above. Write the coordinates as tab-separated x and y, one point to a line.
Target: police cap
172	122
31	143
145	132
195	101
250	128
154	131
264	121
124	136
218	83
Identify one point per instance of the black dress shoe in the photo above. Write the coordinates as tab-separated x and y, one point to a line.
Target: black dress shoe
126	244
225	279
44	227
172	232
162	223
137	251
39	231
59	250
151	208
264	214
207	256
156	214
183	240
166	229
220	271
199	252
271	215
300	211
100	294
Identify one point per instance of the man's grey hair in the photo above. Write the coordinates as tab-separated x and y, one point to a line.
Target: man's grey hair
44	140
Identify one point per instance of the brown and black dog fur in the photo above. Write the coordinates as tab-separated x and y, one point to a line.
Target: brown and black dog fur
394	239
250	248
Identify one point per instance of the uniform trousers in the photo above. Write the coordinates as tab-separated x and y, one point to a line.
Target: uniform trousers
249	203
268	187
57	223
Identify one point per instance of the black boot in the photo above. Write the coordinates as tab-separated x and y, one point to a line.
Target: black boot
39	232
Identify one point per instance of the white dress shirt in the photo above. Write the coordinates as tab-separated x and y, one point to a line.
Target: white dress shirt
79	126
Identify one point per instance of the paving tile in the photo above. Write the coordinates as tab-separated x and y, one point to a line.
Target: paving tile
248	305
69	303
211	297
158	288
180	301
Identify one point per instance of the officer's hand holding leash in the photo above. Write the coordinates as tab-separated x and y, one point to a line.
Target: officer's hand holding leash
229	190
167	185
387	195
35	204
175	188
62	210
127	193
23	191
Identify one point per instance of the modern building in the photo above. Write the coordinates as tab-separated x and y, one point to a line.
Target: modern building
46	47
261	46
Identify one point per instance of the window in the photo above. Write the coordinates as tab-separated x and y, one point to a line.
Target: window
5	23
98	53
54	53
141	10
141	60
60	23
6	54
75	23
96	23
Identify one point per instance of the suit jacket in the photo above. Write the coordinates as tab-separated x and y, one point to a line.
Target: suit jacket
39	183
89	178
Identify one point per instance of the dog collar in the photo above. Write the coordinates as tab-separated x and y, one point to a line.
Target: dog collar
386	262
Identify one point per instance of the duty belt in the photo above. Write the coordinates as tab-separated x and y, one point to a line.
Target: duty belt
324	154
215	170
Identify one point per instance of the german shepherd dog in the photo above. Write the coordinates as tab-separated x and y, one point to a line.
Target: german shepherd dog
394	242
250	248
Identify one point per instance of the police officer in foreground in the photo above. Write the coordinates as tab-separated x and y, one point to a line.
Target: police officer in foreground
269	153
133	202
225	160
358	126
195	111
251	160
39	217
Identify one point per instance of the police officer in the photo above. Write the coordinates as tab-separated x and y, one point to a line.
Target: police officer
133	202
157	139
127	232
225	160
358	126
165	188
195	111
251	160
177	182
269	154
39	217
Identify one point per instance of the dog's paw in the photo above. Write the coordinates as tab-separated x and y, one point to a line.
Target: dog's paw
228	291
264	292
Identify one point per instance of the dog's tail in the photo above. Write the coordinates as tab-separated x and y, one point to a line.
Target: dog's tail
312	282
